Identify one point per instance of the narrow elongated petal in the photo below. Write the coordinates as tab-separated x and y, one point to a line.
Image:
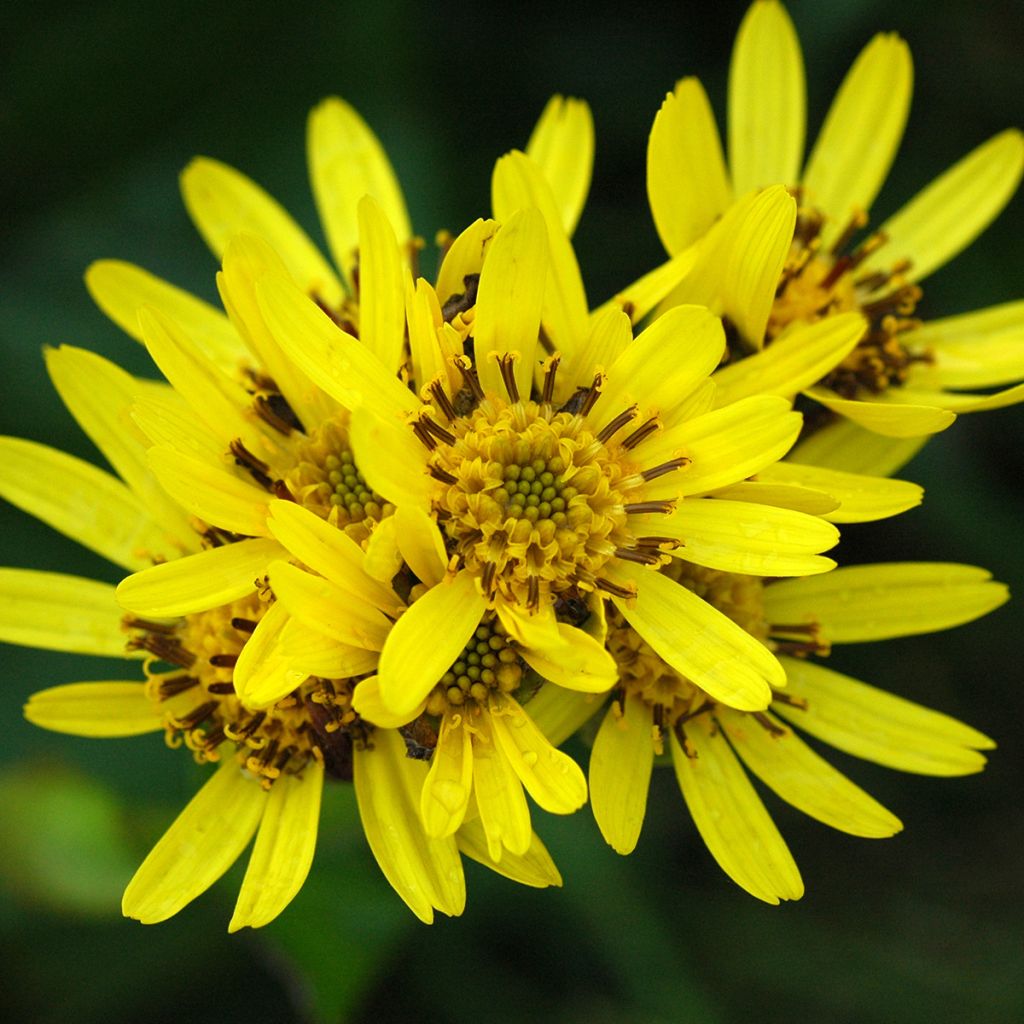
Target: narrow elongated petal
559	712
959	402
346	161
862	499
120	289
975	350
83	502
737	536
552	778
200	581
223	203
857	603
785	764
504	813
204	841
446	790
620	772
762	491
100	395
723	446
687	184
731	818
167	420
510	300
390	458
425	872
367	702
427	639
662	366
955	208
767	100
102	710
861	133
382	286
534	868
212	494
329	551
283	852
562	146
465	258
60	613
792	362
315	654
843	445
333	360
878	726
263	674
517	183
889	416
697	640
608	334
421	544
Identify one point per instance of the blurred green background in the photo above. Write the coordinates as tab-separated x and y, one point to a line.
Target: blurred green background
104	103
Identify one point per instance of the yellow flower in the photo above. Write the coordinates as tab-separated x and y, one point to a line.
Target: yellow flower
896	381
190	653
655	706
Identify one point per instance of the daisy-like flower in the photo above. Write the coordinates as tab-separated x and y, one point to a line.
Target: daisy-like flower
274	760
903	379
655	707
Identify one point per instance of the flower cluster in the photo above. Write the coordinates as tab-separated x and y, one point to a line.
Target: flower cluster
412	535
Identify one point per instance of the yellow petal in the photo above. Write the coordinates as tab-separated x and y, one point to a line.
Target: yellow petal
421	544
889	416
608	334
620	772
283	852
60	613
100	397
381	286
263	674
200	581
427	639
766	100
102	710
168	421
737	536
330	552
723	446
857	603
346	162
517	183
862	499
393	462
120	289
975	350
697	640
861	133
687	184
333	360
843	445
223	203
446	790
534	868
559	712
465	257
425	872
510	299
954	209
83	502
313	653
552	778
368	704
562	146
959	402
204	841
878	726
504	813
214	495
662	366
424	322
732	820
795	361
383	559
785	764
764	491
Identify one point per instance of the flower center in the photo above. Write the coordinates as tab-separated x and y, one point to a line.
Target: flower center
488	662
819	282
190	673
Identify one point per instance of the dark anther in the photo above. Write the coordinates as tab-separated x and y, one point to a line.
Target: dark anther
131	622
642	432
243	625
195	716
274	410
443	475
224	660
165	649
640	508
533	593
280	489
435	429
444	403
423	436
857	223
614	589
461	301
487	577
644	556
550	370
507	367
221	689
469	377
245	458
666	467
612	428
176	684
765	722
